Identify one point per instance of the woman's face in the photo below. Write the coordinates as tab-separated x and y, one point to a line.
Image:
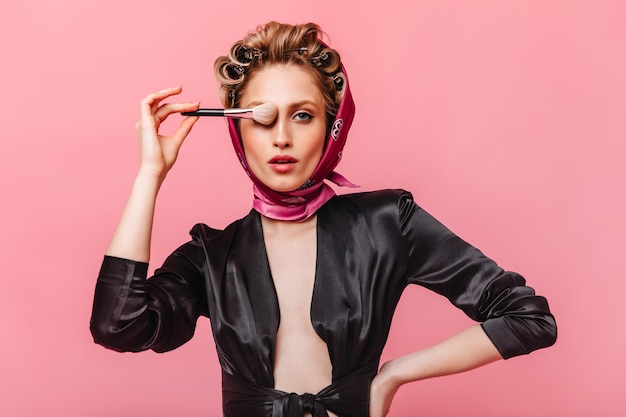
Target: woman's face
284	154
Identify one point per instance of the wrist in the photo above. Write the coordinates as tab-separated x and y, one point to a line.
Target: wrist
147	176
388	378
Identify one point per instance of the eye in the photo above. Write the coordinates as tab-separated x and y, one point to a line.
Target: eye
302	116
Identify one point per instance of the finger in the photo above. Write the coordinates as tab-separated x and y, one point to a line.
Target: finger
167	109
184	128
152	115
165	93
153	100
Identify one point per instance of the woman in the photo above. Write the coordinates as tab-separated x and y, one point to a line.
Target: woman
301	291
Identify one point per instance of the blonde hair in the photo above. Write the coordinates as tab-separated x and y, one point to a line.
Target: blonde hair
277	43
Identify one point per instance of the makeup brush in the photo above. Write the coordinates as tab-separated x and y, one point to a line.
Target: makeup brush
263	113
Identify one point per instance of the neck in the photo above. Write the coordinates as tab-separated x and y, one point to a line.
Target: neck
295	205
286	227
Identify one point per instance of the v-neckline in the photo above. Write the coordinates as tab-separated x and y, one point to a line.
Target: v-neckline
267	276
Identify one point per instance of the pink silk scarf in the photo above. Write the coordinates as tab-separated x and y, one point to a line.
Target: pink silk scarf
300	204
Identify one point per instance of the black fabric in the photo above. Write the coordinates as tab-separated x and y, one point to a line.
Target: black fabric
370	246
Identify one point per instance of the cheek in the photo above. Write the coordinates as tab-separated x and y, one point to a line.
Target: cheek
316	134
250	138
316	151
251	152
245	132
322	141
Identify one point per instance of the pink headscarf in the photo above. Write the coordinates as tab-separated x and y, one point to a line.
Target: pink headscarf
300	204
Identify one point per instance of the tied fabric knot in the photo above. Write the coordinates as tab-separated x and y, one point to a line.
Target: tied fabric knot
347	396
308	402
296	405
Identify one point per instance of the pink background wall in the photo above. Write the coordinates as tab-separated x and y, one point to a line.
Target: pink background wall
512	133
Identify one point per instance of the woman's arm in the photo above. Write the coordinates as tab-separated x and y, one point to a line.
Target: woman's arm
515	320
129	312
467	350
158	153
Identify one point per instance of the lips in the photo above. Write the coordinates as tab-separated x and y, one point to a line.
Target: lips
282	163
283	159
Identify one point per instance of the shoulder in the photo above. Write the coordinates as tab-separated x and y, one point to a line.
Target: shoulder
381	211
392	201
375	198
203	232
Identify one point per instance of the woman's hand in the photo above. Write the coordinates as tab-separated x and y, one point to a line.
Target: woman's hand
382	391
158	152
131	239
466	350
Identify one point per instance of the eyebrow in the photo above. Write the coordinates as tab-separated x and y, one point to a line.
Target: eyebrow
304	102
291	105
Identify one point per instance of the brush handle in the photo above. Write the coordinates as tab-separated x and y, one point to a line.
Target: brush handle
204	112
236	113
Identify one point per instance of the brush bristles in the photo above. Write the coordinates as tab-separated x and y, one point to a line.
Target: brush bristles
264	113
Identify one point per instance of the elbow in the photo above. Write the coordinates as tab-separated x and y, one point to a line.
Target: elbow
539	333
521	335
122	337
547	332
104	335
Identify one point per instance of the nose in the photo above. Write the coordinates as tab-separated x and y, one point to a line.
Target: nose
282	135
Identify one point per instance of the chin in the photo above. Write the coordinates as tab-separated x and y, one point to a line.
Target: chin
283	186
283	189
284	183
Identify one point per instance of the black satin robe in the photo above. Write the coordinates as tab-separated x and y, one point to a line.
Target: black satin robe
370	246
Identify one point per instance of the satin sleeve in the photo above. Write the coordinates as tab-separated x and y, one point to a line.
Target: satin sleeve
132	313
515	319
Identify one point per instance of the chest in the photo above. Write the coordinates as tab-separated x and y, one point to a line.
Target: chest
292	259
337	281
